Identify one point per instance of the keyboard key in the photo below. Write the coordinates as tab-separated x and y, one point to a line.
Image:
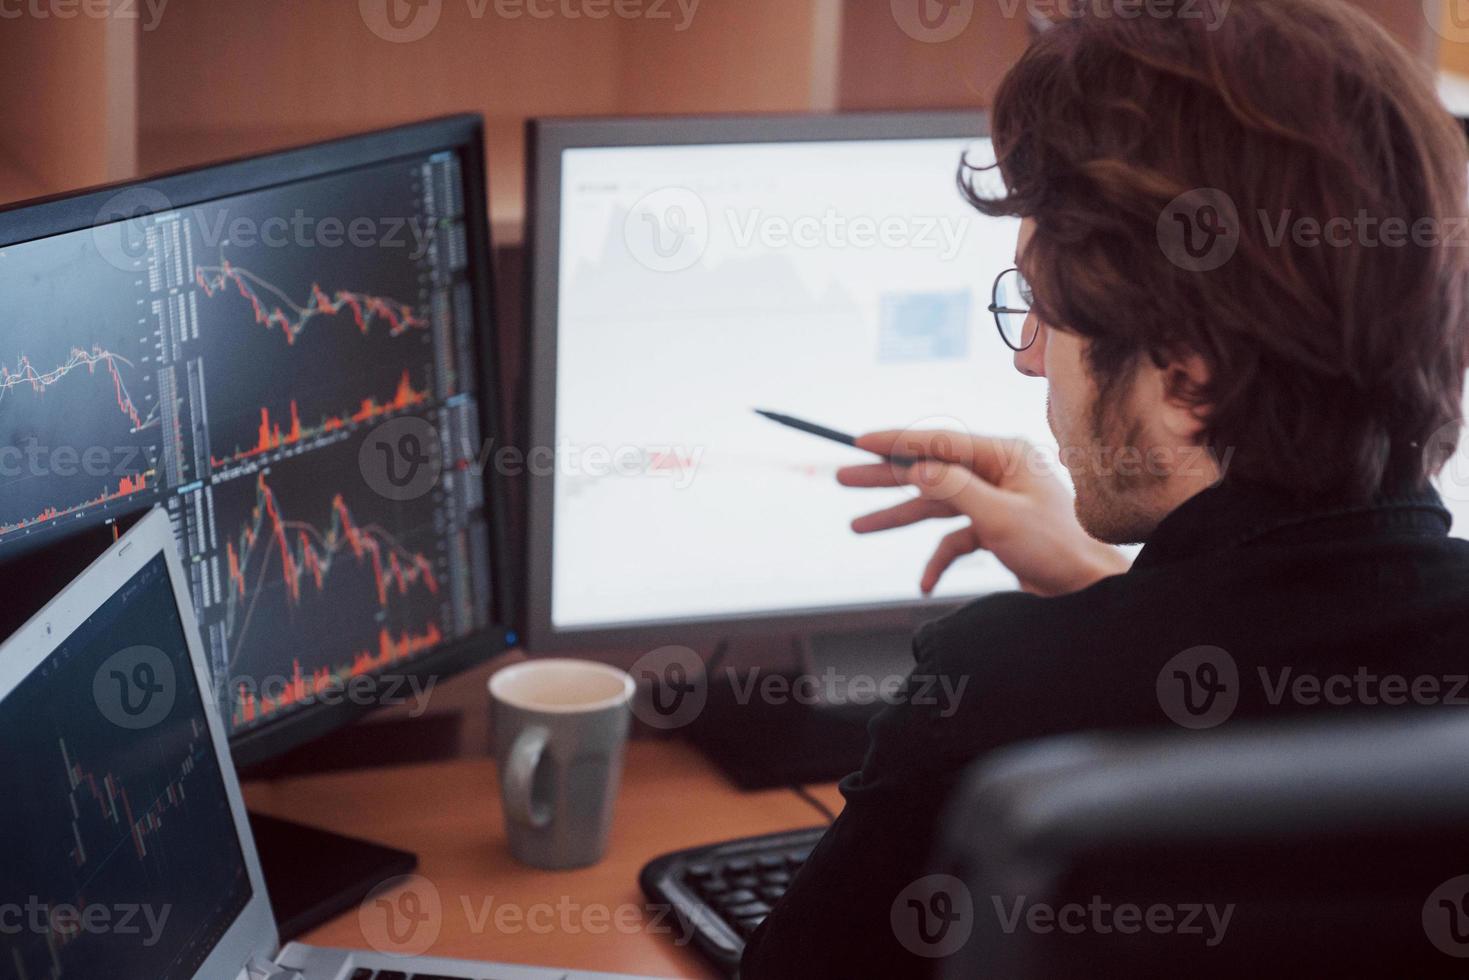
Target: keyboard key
700	871
738	865
714	886
776	878
747	910
362	973
745	881
739	897
772	893
797	858
391	975
769	862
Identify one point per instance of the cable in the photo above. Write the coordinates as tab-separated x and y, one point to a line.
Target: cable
816	803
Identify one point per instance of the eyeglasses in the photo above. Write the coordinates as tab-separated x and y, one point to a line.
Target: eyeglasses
1011	303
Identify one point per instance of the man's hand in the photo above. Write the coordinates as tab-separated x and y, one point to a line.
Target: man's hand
1016	507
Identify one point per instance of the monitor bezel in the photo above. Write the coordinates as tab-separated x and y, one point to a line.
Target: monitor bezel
464	134
546	140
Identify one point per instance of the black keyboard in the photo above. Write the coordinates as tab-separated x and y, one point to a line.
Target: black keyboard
724	891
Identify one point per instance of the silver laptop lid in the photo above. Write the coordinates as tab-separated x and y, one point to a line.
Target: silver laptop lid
129	852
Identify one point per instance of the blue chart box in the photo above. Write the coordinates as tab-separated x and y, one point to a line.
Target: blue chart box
924	327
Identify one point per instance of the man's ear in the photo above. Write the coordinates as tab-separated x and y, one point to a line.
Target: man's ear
1182	378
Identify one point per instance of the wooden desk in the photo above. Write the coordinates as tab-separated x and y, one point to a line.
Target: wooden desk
449	814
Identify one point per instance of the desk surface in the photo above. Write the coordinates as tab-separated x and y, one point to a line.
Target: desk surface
449	814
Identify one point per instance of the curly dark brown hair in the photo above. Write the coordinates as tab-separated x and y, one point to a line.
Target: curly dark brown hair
1336	367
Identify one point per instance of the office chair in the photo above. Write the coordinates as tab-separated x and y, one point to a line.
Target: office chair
1338	844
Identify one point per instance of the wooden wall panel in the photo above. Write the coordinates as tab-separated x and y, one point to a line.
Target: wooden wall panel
54	118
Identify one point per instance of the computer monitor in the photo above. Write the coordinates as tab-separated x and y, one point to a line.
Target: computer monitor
292	355
687	271
251	345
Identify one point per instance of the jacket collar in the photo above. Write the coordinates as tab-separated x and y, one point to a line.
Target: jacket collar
1235	513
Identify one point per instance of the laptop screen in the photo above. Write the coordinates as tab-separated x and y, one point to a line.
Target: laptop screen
131	866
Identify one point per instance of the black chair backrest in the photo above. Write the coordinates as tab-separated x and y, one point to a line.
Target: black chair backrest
1306	849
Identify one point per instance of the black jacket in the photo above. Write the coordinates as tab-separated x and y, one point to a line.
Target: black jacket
1296	608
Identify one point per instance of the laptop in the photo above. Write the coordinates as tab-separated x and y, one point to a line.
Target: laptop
130	855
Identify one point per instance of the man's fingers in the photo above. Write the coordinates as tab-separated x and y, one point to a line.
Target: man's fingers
901	515
991	458
873	475
963	492
955	545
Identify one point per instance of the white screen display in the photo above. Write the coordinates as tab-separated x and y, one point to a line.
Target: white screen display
845	283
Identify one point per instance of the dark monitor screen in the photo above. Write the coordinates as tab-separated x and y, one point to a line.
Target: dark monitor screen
139	870
286	354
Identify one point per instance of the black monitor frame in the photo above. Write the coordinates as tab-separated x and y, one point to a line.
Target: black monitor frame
547	138
463	134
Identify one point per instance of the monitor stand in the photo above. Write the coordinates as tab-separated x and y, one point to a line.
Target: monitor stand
314	875
765	727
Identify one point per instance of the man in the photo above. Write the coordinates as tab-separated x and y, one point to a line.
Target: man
1249	308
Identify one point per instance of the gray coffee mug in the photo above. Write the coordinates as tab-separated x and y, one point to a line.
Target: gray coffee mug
560	732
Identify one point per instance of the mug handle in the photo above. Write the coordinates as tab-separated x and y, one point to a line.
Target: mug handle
517	782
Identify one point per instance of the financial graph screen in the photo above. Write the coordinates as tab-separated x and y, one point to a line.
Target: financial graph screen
131	865
845	283
292	373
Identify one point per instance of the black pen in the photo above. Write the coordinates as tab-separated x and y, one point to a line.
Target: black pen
825	433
